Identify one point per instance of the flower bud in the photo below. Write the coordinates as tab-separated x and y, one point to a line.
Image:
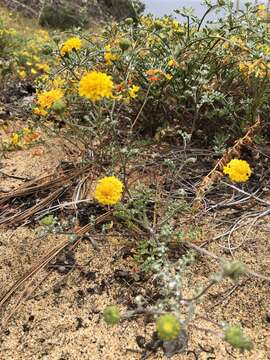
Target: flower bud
235	337
129	21
56	39
234	269
112	315
221	2
47	50
168	327
47	220
59	106
158	25
124	44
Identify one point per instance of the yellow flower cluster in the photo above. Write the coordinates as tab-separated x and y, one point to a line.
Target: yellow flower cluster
22	74
23	137
169	24
109	56
238	170
133	91
109	190
71	44
234	41
10	31
172	63
262	11
258	68
46	100
32	58
15	138
43	67
96	85
40	112
157	75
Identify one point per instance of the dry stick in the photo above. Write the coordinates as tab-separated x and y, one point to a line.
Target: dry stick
49	182
141	109
246	193
224	204
43	3
31	211
208	253
261	214
228	294
14	176
235	227
196	297
80	191
57	283
47	258
61	206
250	227
216	173
24	296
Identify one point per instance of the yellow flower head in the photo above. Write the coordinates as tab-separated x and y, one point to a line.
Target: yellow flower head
109	190
168	76
168	327
133	91
172	63
48	98
22	74
43	67
262	11
110	57
26	131
40	112
261	7
238	170
71	44
15	139
96	85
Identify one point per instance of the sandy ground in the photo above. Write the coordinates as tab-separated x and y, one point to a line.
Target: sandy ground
63	321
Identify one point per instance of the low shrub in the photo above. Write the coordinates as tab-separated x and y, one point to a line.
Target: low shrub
62	17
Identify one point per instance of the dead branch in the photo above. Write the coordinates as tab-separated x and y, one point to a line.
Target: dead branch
217	172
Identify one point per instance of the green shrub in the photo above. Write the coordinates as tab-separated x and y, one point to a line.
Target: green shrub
62	17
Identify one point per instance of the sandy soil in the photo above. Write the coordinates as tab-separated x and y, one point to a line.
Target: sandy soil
63	320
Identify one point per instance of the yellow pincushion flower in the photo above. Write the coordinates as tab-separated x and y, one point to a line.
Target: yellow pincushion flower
46	99
109	190
168	327
238	170
96	85
71	44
